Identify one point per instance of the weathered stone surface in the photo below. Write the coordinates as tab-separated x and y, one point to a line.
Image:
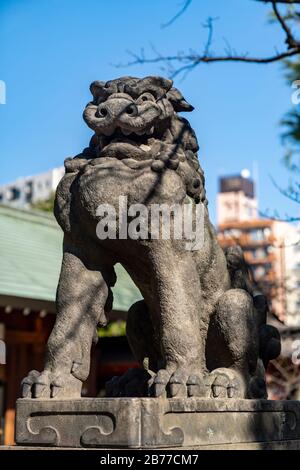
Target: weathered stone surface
199	327
158	423
199	333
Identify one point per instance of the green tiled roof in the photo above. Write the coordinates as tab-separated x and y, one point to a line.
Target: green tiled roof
30	258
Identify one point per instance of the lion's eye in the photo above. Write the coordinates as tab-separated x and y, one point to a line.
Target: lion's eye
146	97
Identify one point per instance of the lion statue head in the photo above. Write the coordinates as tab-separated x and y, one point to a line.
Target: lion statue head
136	118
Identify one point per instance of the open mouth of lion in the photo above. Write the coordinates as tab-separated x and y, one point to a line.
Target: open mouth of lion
125	143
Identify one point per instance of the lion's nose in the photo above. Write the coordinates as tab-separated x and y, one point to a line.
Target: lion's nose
102	111
116	109
131	109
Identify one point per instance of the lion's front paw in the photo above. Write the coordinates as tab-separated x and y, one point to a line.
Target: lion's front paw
48	384
225	383
183	382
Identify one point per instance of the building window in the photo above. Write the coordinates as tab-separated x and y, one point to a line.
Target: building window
15	194
248	210
259	234
232	233
267	232
260	253
28	191
259	272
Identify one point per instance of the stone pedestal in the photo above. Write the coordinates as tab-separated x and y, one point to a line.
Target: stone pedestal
158	423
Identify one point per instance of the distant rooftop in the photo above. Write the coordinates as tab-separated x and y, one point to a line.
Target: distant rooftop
30	257
236	183
25	190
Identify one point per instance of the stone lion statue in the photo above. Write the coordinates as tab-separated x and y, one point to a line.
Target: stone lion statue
199	330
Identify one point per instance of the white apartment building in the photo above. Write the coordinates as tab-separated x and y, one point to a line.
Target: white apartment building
236	199
271	247
30	189
292	263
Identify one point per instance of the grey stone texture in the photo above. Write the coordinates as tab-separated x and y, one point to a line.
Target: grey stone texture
200	330
159	423
199	325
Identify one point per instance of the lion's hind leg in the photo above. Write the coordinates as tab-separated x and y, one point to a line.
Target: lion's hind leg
233	347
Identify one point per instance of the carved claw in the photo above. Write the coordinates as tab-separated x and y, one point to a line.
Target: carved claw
49	384
180	383
159	389
195	386
27	383
177	385
157	385
226	383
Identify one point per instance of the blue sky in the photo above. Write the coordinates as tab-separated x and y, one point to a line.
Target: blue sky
50	51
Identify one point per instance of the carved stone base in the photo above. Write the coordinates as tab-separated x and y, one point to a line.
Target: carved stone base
151	423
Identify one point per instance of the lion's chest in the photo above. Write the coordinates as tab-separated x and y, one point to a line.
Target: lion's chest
115	184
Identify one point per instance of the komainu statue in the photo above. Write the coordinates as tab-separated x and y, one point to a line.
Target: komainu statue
200	330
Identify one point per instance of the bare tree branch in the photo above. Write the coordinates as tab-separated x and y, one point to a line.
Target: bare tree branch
292	193
286	2
209	26
183	9
187	61
274	215
238	58
193	60
290	40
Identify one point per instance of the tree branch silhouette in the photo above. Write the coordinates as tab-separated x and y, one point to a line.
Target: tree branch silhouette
185	62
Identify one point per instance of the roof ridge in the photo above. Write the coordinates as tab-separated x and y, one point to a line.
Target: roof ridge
32	215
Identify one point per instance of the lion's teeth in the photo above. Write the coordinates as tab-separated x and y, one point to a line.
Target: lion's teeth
144	147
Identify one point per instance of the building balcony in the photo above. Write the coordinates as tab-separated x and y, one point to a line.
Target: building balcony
245	240
269	258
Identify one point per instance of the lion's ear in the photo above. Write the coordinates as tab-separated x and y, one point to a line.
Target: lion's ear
178	102
159	82
98	90
158	86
